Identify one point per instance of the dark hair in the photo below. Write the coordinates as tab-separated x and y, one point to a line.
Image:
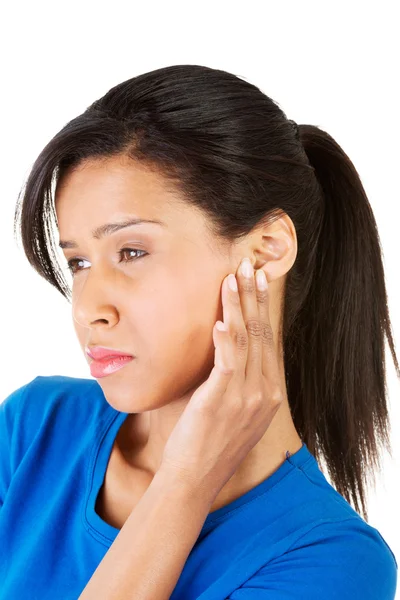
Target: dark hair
230	150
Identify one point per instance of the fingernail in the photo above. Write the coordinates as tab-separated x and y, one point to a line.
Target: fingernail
232	283
246	267
261	280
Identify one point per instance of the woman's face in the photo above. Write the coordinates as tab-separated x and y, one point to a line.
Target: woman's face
159	299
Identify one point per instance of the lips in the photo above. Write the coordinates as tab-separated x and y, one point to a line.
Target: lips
103	353
102	368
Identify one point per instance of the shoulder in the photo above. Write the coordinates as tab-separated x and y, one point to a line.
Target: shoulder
52	401
334	559
49	391
352	538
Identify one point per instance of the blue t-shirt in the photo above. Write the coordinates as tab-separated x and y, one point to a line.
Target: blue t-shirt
291	537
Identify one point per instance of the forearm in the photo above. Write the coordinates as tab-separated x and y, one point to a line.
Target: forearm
148	555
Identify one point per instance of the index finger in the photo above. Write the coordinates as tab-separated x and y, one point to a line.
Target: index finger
269	358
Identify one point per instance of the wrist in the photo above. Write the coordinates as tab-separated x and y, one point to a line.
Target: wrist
186	487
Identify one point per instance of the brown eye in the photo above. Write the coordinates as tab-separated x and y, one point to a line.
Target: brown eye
73	262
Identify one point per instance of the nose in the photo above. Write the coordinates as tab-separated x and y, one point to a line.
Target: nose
93	305
86	319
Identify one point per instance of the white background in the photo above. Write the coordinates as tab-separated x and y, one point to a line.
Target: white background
329	64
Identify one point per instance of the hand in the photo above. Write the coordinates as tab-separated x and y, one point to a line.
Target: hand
230	412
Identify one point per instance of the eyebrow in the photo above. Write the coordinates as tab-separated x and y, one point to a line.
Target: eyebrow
110	228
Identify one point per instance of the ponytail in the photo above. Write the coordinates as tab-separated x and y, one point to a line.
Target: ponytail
335	347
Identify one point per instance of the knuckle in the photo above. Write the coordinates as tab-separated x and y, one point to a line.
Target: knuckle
276	396
257	399
235	299
226	370
267	334
254	327
248	286
262	296
255	402
241	340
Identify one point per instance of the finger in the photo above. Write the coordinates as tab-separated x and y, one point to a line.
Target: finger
223	371
251	319
233	318
269	359
224	353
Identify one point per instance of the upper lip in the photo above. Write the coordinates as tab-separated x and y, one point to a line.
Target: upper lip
102	352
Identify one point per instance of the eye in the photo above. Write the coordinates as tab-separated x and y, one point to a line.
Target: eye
72	263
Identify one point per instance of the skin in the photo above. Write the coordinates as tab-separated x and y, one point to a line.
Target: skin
161	307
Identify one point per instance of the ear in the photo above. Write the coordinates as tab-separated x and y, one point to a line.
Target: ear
274	248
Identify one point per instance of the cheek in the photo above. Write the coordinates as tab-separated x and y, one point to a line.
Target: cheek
173	340
177	318
184	324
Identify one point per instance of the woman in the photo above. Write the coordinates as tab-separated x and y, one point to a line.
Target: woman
188	468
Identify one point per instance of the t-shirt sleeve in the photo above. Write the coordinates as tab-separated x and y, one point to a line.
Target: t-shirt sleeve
10	412
333	560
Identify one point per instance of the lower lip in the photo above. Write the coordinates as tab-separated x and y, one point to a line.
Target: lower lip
102	368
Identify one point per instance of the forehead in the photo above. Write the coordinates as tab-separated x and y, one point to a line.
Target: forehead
99	190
